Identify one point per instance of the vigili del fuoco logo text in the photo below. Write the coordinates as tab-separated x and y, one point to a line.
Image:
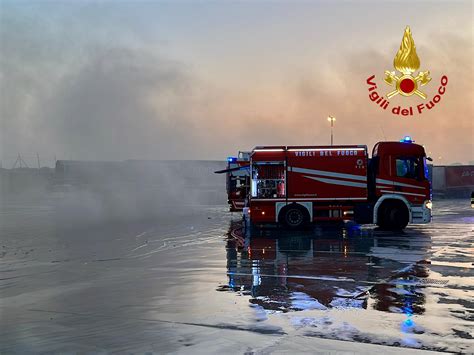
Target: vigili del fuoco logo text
406	82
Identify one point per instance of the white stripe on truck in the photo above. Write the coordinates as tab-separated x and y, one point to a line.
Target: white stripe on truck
402	193
327	173
390	182
337	182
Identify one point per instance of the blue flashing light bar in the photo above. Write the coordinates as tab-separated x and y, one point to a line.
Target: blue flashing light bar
407	139
231	159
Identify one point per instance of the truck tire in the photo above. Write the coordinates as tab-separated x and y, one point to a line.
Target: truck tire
294	216
393	215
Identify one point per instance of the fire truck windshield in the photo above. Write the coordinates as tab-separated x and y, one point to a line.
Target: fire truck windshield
410	168
268	180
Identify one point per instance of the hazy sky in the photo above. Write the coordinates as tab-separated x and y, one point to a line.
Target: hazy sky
107	80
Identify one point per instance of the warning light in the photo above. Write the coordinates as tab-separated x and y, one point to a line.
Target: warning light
407	139
231	159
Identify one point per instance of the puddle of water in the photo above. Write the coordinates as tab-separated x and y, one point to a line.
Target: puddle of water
326	272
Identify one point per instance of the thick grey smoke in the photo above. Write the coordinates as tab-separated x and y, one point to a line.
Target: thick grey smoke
66	93
93	192
122	103
99	102
119	103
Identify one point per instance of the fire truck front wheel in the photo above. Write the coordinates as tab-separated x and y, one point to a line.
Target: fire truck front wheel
294	216
393	215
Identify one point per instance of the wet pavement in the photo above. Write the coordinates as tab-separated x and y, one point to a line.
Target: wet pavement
196	281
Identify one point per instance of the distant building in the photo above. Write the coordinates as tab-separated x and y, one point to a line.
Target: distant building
453	181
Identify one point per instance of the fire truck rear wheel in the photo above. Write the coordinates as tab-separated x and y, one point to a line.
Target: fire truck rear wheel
393	216
295	216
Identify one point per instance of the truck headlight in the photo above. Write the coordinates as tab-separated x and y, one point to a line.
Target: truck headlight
429	204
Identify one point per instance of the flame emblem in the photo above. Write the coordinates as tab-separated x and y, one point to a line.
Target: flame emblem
406	61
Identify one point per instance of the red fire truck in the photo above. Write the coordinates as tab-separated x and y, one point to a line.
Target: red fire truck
301	184
237	180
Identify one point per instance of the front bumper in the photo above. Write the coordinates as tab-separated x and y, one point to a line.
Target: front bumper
420	214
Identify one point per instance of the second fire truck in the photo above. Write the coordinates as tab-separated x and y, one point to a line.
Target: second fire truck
296	185
237	180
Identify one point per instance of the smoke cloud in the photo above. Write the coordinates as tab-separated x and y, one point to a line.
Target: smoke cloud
103	91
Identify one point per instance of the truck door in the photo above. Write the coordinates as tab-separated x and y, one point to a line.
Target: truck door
409	180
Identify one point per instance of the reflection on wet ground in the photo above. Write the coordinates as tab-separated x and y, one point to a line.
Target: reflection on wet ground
412	275
138	286
328	268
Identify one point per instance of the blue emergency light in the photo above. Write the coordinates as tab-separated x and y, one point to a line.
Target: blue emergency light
407	139
231	159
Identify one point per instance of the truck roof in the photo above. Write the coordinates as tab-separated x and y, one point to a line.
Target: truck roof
398	148
277	153
299	147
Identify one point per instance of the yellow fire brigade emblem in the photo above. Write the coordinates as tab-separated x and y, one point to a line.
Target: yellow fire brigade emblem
407	62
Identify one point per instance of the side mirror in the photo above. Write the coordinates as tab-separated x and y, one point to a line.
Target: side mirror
429	158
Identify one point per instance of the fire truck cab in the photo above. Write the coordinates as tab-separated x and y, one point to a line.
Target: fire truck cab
296	185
